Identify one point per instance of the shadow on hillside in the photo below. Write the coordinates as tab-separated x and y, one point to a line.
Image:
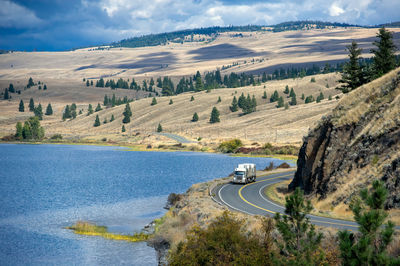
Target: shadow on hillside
222	51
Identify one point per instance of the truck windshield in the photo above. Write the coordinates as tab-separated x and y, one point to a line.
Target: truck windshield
239	173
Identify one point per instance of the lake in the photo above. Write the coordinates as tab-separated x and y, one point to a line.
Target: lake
44	188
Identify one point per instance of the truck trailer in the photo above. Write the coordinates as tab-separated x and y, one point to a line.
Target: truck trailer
245	173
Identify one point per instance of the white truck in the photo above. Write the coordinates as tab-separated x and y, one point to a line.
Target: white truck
245	173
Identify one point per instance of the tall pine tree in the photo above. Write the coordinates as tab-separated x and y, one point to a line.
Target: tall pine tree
21	107
384	57
353	75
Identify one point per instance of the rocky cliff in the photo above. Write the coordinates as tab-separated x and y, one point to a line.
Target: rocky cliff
357	143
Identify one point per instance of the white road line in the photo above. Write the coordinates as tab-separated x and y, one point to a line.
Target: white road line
227	204
266	199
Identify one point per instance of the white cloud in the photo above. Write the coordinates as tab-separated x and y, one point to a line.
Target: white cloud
16	16
335	10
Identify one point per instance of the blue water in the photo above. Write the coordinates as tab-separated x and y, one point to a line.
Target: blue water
44	188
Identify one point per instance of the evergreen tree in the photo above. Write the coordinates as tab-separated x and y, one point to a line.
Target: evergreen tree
234	106
280	102
90	109
45	87
105	120
264	77
219	99
31	105
39	87
302	96
30	83
21	107
384	59
309	99
299	239
274	97
87	83
159	128
291	92
199	83
154	101
320	97
353	75
214	118
32	129
112	118
195	117
96	121
91	83
98	108
171	101
286	91
293	100
241	101
264	95
18	132
123	128
127	114
67	113
106	100
38	112
192	99
368	246
6	94
11	88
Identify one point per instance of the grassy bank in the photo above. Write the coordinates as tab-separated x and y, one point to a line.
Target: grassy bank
90	229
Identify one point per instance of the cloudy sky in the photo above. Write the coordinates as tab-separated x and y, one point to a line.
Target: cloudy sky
66	24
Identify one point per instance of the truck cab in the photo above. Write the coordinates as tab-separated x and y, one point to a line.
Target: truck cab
245	173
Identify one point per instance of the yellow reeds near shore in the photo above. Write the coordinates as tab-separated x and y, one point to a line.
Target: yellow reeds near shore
90	229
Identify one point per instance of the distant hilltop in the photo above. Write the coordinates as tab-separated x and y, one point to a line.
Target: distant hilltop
210	33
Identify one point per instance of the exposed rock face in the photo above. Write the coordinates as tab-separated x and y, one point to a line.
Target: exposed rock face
357	143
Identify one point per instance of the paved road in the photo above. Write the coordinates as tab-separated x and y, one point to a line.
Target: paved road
178	138
251	199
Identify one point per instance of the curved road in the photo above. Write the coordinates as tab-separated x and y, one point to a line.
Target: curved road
251	199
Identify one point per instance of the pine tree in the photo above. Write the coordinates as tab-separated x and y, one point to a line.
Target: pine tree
291	92
127	114
274	97
293	100
39	112
286	91
49	110
112	118
105	120
299	240
39	87
31	105
219	99
45	87
384	59
195	117
21	107
353	75
214	118
96	121
106	100
30	83
98	108
90	109
234	106
159	128
11	88
241	101
302	96
154	101
123	128
192	99
309	99
171	102
264	95
6	94
67	113
280	102
91	83
368	246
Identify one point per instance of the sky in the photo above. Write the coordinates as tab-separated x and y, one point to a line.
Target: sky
56	25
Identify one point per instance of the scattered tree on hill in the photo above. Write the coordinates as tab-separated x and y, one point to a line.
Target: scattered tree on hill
98	108
214	118
302	96
234	105
30	83
44	87
312	80
21	107
73	110
249	105
299	241
38	111
91	83
369	245
198	82
320	97
242	100
127	114
330	97
291	92
49	110
280	102
123	128
195	117
274	97
159	128
96	121
154	101
293	100
219	99
39	87
6	95
264	95
353	74
192	99
171	101
106	101
18	132
67	113
100	83
105	120
112	118
309	99
90	109
11	88
384	56
87	83
286	91
31	105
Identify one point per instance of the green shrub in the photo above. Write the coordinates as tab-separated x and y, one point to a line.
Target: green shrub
230	146
56	137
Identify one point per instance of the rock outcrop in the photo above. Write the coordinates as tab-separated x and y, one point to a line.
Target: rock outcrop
357	143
